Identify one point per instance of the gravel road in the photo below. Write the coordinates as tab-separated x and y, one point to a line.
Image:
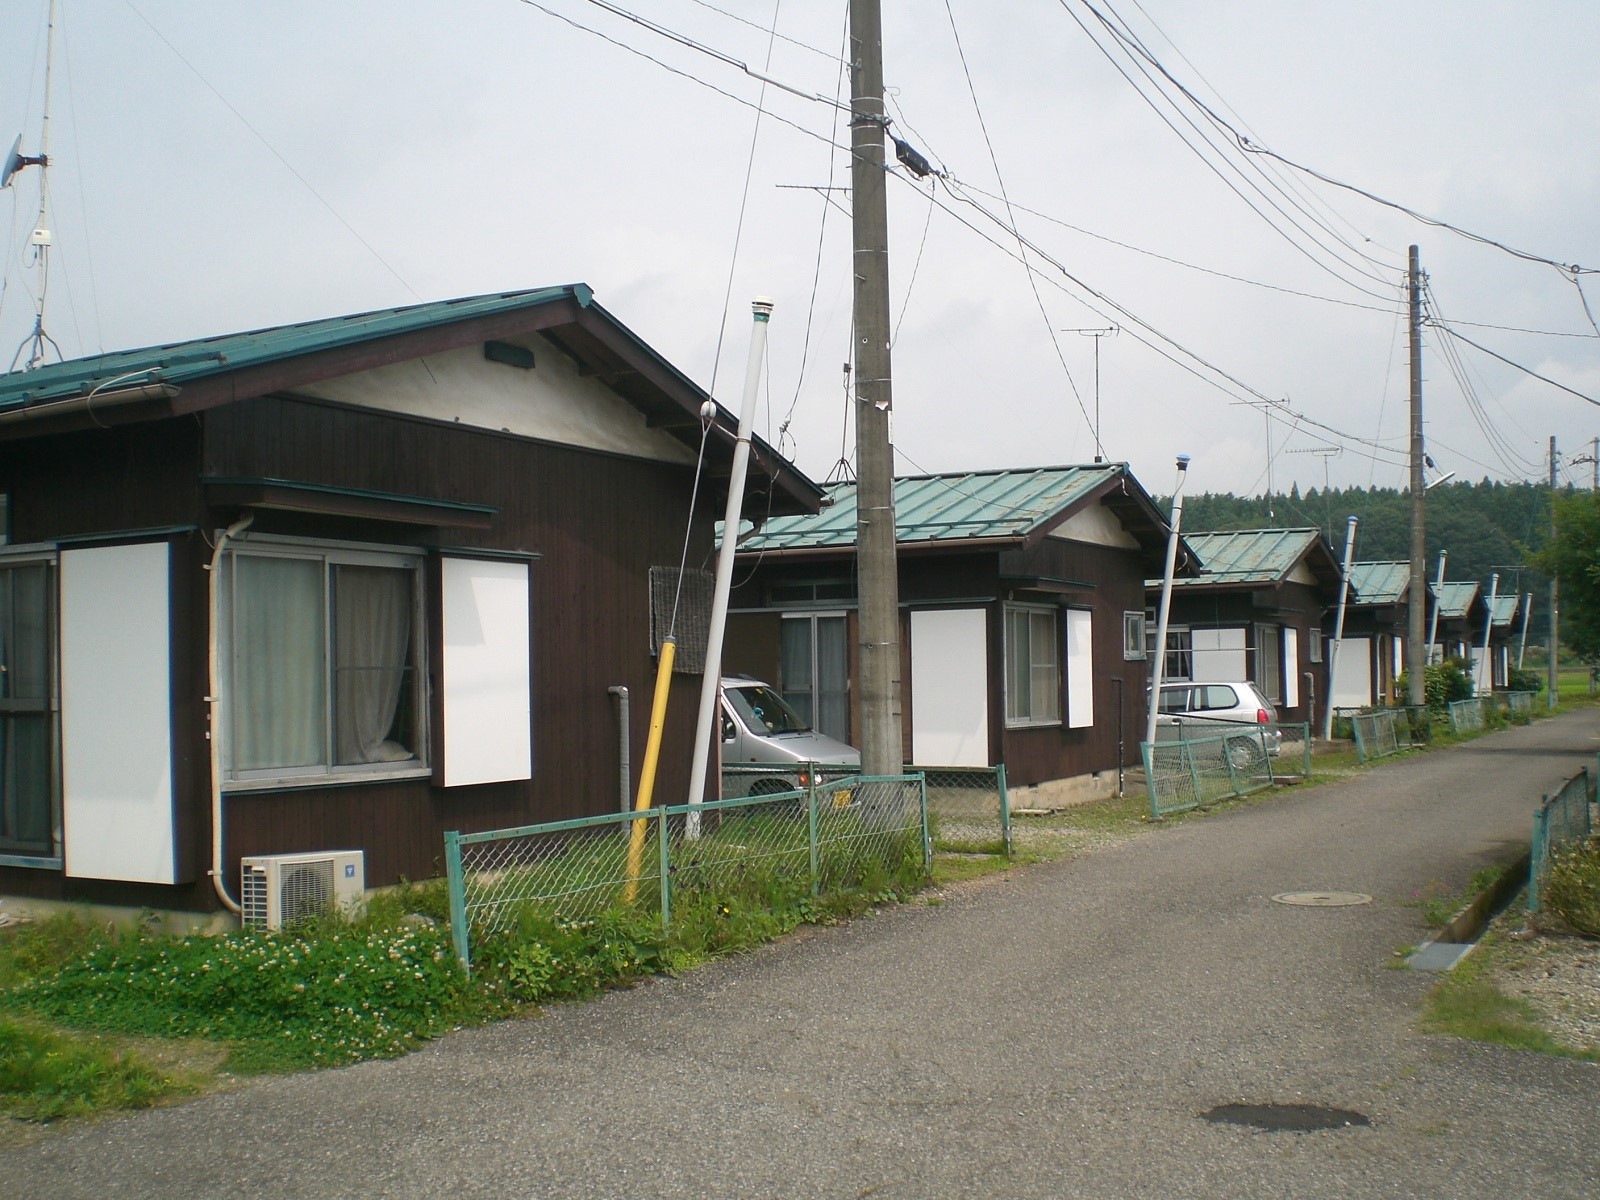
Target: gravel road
1056	1031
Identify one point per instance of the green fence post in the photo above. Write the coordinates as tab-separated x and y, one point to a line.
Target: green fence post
1187	750
664	858
1227	764
1148	755
1305	747
811	838
927	835
664	863
458	898
1005	806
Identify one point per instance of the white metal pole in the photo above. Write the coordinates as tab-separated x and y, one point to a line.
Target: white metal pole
1527	611
761	309
1166	602
1338	625
1433	624
1488	628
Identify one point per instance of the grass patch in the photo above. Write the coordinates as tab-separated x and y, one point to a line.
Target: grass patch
1467	1004
45	1075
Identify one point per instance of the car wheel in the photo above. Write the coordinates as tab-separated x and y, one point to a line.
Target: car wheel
1245	754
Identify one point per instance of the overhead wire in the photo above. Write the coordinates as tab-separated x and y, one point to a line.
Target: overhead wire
1033	286
1198	367
1135	46
273	150
1213	166
1461	337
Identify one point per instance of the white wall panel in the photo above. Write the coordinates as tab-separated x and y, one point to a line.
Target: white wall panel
1352	679
950	687
1080	668
488	735
1219	655
116	714
1291	667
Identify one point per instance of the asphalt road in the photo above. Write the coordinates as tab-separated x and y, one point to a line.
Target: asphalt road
1055	1032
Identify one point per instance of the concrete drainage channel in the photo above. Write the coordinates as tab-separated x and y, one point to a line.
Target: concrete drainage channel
1460	934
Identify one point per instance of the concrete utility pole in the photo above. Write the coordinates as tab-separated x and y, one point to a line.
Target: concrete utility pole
879	600
1555	605
1416	648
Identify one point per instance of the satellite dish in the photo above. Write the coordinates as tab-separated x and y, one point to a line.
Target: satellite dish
12	163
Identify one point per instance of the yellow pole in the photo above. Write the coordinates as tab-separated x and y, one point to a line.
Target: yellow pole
647	773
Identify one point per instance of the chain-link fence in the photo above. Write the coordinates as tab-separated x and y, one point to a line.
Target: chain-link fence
968	808
768	850
1183	773
1562	820
1466	716
1520	704
1377	733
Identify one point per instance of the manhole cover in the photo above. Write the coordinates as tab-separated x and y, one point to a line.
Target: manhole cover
1275	1118
1323	899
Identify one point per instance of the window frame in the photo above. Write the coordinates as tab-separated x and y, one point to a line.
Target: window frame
1051	691
1314	644
329	553
48	556
1133	636
1269	667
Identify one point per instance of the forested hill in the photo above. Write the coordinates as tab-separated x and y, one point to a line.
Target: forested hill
1485	527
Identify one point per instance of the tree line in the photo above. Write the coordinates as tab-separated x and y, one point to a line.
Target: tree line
1485	527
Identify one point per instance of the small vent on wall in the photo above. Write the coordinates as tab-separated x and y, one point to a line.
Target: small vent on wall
693	628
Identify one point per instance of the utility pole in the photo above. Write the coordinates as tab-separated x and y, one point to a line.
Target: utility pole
1417	609
1555	605
879	600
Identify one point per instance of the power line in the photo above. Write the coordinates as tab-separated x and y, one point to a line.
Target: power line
1512	363
1011	218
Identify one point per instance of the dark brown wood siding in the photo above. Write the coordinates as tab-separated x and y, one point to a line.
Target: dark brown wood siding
598	523
1115	579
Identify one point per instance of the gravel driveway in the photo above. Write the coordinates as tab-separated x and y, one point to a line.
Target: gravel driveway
1053	1032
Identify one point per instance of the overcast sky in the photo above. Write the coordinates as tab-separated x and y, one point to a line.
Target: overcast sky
222	167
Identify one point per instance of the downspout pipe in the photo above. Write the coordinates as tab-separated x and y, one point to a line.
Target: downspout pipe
625	764
1167	573
214	706
1338	626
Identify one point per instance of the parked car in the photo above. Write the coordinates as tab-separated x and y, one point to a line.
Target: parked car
1202	710
761	729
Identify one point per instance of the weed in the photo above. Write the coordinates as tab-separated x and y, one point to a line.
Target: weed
316	996
1466	1004
1572	889
45	1076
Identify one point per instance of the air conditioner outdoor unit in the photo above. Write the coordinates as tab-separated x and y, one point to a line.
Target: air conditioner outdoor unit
279	889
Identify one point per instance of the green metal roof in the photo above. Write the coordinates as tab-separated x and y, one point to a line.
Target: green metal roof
182	362
1246	556
1455	599
1505	609
929	509
1379	582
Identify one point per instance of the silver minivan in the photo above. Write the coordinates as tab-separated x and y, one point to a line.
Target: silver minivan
760	729
1205	710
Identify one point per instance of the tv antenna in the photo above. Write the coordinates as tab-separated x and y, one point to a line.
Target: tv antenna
1097	334
33	346
1326	452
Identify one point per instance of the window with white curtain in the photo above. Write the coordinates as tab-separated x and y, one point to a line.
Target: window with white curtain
1033	666
319	653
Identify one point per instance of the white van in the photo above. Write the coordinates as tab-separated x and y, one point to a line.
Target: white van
760	729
